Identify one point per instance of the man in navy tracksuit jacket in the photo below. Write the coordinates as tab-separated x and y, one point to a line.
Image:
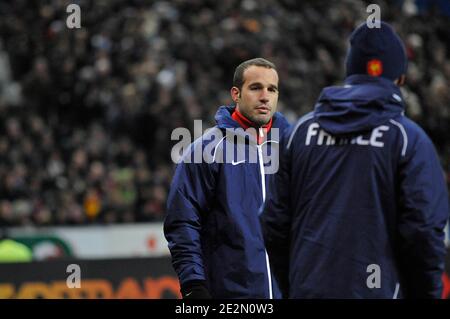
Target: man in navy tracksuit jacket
212	223
359	204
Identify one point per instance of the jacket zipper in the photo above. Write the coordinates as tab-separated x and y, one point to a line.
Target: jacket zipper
397	288
263	184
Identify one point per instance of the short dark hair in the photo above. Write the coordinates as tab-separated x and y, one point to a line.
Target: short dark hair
238	78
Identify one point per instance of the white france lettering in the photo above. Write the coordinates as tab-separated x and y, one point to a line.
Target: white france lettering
312	131
361	141
331	140
321	138
376	133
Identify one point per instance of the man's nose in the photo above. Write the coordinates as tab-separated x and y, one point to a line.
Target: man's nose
264	97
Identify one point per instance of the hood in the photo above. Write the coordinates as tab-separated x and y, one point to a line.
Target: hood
363	103
224	119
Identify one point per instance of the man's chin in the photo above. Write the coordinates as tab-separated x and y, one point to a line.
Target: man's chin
261	120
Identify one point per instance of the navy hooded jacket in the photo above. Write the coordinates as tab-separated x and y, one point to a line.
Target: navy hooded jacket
212	223
359	204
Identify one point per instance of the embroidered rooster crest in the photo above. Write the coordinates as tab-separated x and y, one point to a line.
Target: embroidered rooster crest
374	67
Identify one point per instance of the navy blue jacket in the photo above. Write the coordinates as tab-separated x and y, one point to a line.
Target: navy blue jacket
212	223
359	204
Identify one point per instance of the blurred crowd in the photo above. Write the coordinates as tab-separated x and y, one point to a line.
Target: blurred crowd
86	114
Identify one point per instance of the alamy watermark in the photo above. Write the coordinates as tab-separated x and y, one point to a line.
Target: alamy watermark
374	279
74	19
232	145
74	279
374	19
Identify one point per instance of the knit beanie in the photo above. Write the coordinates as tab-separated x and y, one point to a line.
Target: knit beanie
376	52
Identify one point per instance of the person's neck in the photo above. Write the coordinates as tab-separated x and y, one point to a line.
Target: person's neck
245	123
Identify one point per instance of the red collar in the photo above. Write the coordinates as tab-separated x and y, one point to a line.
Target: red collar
245	123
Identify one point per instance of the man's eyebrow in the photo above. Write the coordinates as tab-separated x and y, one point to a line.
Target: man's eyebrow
273	86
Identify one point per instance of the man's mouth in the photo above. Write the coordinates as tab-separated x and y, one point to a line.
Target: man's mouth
263	109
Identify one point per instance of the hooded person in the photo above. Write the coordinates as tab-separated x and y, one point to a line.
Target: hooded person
359	204
212	222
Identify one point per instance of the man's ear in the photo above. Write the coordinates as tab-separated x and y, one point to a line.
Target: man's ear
235	94
401	80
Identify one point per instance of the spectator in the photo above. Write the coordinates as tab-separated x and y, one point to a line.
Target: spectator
77	105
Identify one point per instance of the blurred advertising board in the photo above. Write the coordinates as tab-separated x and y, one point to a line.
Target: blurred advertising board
136	278
94	242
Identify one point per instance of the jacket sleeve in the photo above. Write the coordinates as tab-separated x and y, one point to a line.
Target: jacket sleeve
189	199
276	220
422	218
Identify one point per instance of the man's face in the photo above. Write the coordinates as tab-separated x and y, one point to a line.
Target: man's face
258	98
